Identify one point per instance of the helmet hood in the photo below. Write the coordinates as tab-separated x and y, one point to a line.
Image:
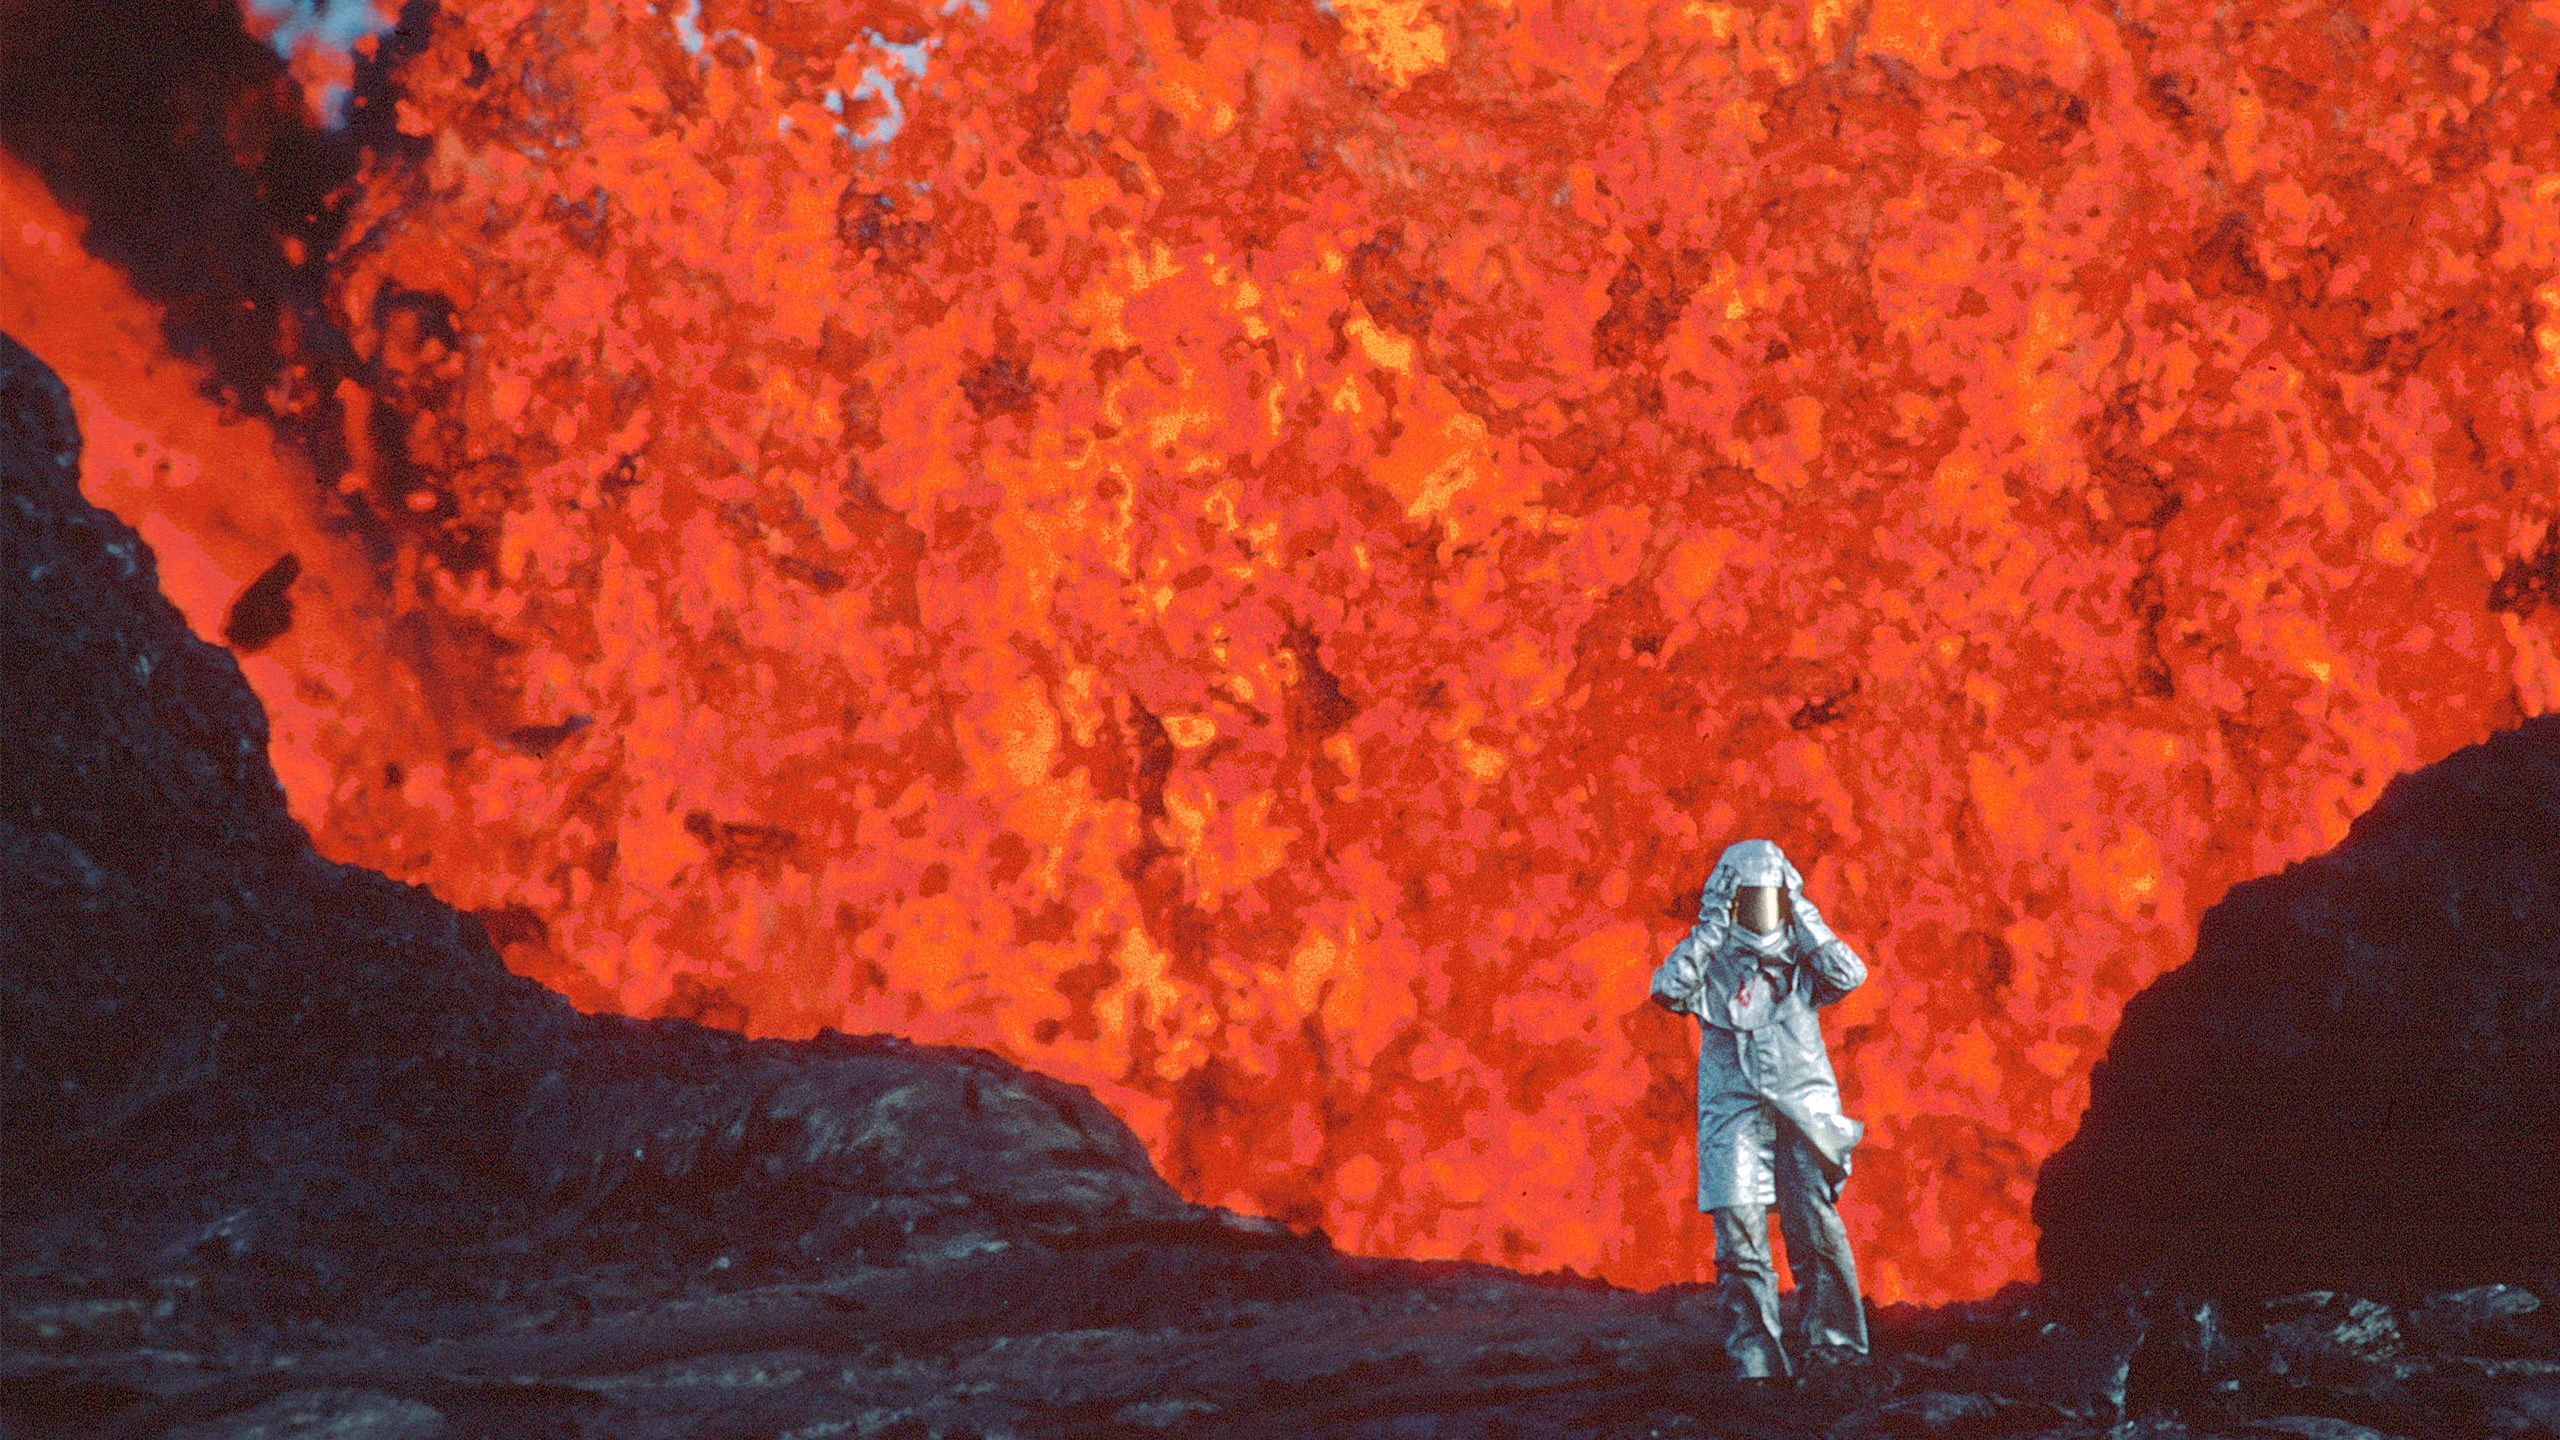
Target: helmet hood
1749	862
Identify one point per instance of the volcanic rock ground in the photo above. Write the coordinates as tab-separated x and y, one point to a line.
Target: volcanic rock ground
289	1153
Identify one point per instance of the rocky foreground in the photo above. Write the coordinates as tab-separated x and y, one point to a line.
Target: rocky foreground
290	1154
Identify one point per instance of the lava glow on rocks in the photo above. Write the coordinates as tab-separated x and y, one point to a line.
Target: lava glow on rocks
1250	555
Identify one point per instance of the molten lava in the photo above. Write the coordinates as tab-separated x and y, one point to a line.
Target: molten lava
221	500
1250	555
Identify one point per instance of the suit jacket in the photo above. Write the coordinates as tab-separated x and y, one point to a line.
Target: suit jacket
1761	1060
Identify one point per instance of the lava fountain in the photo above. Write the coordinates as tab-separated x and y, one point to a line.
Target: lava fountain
1249	555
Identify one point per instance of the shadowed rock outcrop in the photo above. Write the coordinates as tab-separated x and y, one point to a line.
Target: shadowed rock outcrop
309	1062
2355	1084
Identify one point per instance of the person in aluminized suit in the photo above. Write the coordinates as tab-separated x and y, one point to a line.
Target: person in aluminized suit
1754	969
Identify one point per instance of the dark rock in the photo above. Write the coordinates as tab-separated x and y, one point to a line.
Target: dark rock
1927	1413
2185	1351
2530	1408
328	1414
2319	1333
2351	1084
264	610
2314	1427
2483	1320
304	1057
1843	1378
2079	1374
2024	1359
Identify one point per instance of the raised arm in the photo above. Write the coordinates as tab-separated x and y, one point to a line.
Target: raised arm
1836	968
1679	979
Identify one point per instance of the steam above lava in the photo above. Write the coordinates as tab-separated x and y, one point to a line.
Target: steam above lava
1249	556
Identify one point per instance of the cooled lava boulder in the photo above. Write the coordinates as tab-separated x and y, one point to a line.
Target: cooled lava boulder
218	1047
2355	1083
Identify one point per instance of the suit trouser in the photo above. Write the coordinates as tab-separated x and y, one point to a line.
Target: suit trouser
1817	1252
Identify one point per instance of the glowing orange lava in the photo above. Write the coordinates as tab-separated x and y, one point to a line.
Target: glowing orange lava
1250	555
219	499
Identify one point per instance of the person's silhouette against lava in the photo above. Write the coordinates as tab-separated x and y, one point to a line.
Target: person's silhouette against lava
1753	970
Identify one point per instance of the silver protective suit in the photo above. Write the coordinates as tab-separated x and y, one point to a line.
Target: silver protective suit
1770	1127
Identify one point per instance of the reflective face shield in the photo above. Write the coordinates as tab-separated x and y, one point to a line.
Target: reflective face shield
1755	908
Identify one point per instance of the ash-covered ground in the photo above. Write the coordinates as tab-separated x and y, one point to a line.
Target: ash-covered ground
289	1153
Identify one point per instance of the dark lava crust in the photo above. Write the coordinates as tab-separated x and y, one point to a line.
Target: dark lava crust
2356	1081
286	1152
